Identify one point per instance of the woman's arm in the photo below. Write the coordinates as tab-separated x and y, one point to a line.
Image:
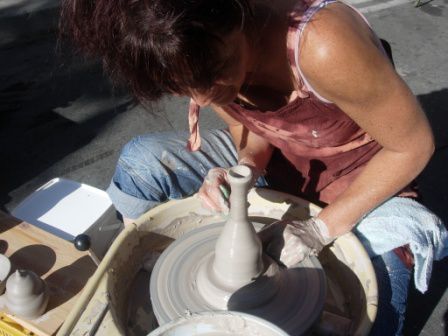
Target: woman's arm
341	60
252	149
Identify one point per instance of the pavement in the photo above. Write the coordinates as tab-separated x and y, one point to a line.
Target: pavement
61	117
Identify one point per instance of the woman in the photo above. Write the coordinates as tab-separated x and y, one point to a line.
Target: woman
312	103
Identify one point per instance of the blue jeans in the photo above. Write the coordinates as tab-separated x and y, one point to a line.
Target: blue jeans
155	168
393	280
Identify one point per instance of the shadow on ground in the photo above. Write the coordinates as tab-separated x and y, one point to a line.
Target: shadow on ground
433	185
38	89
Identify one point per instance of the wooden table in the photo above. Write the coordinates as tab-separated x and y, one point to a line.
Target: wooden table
64	269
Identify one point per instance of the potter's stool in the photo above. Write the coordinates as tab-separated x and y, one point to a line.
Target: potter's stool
70	209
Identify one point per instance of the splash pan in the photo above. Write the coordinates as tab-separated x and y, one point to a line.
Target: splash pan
294	305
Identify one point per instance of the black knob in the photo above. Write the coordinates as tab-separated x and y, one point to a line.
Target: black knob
82	242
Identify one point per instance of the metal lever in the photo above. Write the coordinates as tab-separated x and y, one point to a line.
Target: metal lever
82	243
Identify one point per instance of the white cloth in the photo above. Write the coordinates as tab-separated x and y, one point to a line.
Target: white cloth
400	221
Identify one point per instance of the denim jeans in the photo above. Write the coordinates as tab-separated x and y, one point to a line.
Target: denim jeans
155	168
393	280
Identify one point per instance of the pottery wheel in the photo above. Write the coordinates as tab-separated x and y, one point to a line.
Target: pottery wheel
290	298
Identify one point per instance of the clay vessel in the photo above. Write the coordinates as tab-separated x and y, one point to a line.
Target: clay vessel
26	294
238	249
5	270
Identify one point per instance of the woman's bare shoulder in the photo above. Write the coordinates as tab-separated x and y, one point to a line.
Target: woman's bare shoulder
339	50
336	25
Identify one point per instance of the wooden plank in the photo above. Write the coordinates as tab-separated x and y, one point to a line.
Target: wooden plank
64	269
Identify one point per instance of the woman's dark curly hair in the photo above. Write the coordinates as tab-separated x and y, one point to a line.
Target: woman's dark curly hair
155	46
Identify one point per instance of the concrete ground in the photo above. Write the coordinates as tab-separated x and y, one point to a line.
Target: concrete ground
60	117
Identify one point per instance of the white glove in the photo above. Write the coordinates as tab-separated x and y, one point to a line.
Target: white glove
214	192
291	241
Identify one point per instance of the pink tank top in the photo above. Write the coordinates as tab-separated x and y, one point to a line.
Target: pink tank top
319	139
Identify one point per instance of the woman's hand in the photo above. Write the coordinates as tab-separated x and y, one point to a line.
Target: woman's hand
214	192
291	241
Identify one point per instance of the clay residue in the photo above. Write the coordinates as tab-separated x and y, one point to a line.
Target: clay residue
223	324
181	225
169	162
91	317
285	210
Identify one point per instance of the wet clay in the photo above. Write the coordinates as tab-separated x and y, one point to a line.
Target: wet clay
5	269
26	294
237	258
221	267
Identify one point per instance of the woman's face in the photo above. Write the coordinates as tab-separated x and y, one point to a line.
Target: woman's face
234	67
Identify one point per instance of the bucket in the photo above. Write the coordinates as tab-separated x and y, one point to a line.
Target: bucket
219	323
